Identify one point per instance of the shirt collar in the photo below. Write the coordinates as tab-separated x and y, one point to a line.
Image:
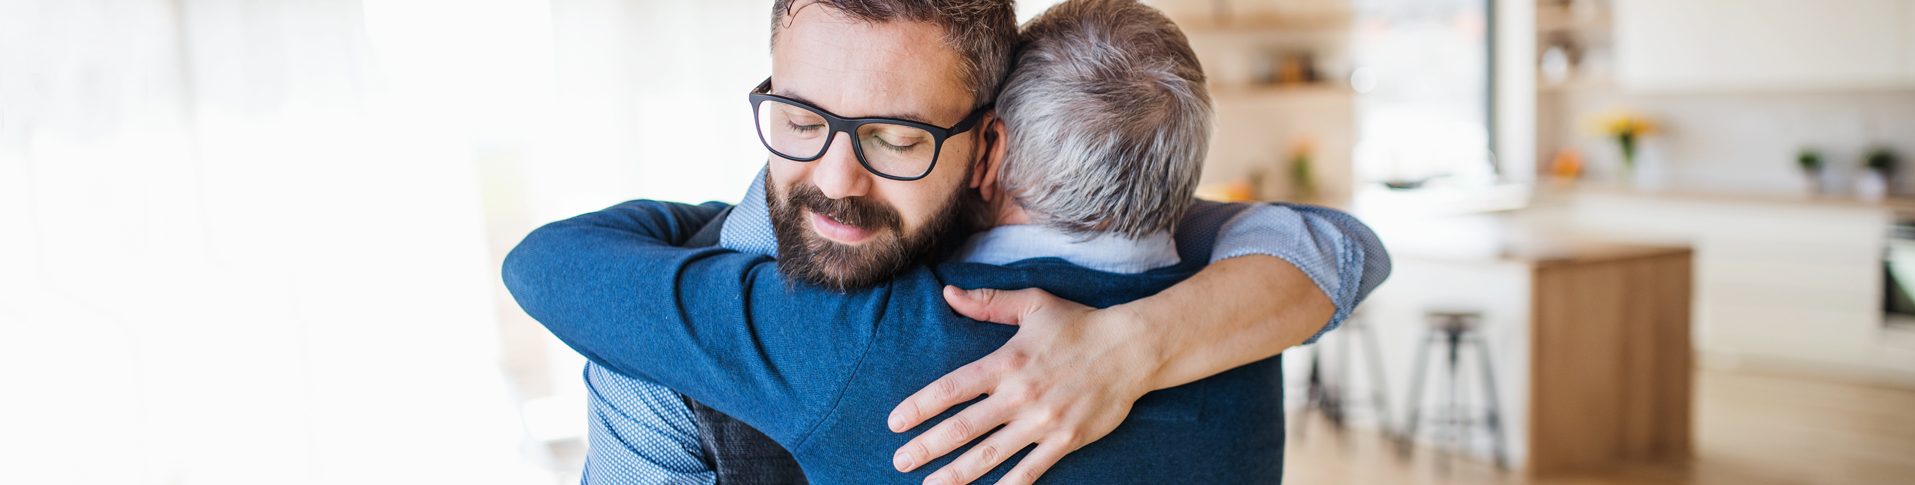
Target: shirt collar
1108	252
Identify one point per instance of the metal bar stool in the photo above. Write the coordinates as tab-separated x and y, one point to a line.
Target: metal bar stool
1452	330
1329	390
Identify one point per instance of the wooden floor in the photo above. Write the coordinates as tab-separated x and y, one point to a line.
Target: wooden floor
1749	430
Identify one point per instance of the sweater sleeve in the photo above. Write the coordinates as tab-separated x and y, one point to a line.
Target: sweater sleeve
720	327
1341	255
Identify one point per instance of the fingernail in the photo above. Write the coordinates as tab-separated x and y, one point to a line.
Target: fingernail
938	480
901	461
895	422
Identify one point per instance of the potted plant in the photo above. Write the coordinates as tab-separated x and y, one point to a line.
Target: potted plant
1879	167
1303	180
1810	161
1628	129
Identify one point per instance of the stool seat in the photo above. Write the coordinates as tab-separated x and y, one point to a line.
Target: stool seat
1453	320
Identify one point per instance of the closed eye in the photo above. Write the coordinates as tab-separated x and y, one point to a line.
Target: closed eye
803	128
900	147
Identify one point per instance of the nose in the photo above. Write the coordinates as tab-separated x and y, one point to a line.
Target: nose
838	174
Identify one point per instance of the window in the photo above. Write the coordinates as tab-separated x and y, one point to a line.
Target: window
1421	71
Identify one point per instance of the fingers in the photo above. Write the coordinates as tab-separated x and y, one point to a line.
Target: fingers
984	457
1035	464
947	436
997	306
960	385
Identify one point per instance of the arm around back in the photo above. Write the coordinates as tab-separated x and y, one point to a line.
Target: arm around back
720	327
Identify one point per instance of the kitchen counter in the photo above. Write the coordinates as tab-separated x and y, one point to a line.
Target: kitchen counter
1510	237
1556	192
1790	284
1591	334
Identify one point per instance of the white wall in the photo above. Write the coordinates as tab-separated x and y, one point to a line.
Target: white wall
1740	86
1514	78
1741	143
1686	45
258	241
229	259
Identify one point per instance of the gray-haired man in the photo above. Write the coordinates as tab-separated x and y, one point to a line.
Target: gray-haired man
1123	147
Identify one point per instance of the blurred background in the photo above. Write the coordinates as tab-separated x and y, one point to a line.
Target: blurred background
1636	241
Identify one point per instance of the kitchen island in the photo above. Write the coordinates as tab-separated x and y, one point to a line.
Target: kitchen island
1589	338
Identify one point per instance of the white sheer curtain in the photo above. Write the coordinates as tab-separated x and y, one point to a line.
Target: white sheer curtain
257	241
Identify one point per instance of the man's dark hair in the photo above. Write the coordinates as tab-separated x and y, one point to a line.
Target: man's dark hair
984	32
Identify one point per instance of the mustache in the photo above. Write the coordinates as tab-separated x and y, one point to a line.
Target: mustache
853	211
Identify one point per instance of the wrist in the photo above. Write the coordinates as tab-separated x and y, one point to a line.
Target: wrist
1152	349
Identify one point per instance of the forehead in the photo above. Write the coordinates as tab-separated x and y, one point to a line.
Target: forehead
863	69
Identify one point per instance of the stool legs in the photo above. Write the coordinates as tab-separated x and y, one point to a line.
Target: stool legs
1415	396
1495	419
1314	395
1454	418
1377	381
1340	386
1328	390
1454	415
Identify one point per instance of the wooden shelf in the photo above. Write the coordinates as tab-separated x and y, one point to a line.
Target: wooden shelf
1280	90
1554	18
1901	205
1583	85
1266	24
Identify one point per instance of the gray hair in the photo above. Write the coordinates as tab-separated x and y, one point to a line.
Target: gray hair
984	32
1107	117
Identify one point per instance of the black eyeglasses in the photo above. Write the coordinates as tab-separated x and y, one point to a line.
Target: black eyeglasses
891	148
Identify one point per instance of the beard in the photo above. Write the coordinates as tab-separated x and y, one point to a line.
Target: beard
805	256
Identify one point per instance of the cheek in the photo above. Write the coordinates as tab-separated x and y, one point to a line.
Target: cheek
785	172
917	201
914	204
954	159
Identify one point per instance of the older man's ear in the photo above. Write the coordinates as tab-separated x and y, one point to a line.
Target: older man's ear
984	176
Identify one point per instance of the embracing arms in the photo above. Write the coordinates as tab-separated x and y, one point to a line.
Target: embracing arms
1281	275
613	286
583	277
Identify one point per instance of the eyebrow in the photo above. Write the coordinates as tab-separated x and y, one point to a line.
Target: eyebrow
912	116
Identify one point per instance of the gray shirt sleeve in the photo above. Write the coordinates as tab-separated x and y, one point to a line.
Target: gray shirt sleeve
748	229
1341	255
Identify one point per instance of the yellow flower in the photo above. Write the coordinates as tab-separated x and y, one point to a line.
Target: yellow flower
1618	123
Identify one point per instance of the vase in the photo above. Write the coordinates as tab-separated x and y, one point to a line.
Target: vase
1873	185
1640	170
1646	175
1626	143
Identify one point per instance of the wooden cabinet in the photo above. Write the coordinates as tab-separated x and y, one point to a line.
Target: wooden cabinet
1765	45
1610	362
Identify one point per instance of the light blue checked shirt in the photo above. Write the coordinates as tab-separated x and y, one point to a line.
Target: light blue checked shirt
642	432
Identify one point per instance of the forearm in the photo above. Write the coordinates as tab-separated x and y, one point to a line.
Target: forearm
613	286
594	280
1336	251
1234	312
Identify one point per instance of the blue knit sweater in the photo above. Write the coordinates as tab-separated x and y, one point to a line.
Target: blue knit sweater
819	370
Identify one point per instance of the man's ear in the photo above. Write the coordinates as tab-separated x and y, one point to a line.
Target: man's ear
984	177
